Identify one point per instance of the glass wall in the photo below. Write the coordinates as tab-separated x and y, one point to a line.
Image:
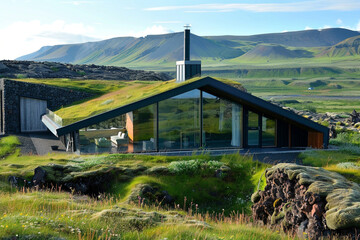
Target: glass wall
143	136
175	124
268	132
131	132
222	122
253	129
99	138
179	121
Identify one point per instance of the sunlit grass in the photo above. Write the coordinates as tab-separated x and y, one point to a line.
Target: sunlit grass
8	145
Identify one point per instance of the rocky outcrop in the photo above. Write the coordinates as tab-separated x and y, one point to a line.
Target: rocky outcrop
308	201
30	69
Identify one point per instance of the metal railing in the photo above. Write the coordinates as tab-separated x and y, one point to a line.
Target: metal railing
58	120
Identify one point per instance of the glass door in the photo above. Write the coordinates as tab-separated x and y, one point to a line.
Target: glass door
253	129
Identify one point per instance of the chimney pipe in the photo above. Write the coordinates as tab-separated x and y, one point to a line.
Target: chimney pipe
187	43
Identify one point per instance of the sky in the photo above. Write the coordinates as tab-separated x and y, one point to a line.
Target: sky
27	25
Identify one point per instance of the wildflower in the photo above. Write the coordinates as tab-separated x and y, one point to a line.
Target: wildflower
6	226
21	214
23	226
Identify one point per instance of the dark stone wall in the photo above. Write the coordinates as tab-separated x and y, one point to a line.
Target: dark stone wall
12	91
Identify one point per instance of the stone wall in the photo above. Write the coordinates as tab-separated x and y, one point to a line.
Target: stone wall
12	91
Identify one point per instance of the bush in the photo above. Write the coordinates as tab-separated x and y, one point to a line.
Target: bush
191	167
346	138
348	165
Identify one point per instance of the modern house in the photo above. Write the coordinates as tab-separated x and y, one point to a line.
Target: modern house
202	113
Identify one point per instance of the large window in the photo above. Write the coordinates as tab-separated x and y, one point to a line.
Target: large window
179	121
253	129
100	137
222	122
268	132
143	125
131	132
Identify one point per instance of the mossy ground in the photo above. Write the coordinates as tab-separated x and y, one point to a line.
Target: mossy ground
222	203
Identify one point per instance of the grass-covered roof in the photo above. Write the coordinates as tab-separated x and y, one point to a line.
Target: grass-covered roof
111	94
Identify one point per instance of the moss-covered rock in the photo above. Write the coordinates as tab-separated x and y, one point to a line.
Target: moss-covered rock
149	194
342	196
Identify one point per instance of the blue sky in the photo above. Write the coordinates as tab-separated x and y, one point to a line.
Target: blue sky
26	25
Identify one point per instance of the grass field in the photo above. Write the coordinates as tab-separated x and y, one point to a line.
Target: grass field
209	208
206	207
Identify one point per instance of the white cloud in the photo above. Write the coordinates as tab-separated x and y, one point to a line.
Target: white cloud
304	6
167	22
153	30
22	38
77	3
339	21
358	26
308	28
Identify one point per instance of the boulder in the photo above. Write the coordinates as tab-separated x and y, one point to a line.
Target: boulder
150	194
39	177
308	201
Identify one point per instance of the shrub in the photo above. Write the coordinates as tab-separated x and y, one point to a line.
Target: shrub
191	167
348	165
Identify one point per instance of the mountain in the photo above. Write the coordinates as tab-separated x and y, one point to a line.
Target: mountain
348	47
271	51
306	38
162	48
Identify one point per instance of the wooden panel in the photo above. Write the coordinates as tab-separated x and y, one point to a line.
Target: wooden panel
315	139
130	125
30	113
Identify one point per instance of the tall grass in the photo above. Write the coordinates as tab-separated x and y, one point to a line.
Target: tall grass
42	215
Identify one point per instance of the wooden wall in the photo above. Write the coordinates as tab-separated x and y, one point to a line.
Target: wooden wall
315	139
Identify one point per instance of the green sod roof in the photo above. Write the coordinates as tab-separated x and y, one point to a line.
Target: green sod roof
132	91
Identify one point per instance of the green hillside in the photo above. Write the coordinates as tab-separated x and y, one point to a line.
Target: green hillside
331	52
348	47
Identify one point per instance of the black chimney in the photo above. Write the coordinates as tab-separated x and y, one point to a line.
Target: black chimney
187	44
187	69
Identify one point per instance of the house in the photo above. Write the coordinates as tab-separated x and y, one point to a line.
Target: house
200	113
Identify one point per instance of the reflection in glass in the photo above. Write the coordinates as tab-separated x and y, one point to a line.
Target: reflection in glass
179	121
143	136
131	132
100	137
221	122
268	131
253	129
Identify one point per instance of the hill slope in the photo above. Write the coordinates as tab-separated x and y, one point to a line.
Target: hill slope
307	38
161	51
348	47
116	51
274	52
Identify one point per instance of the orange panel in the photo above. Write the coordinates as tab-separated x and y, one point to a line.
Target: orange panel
315	139
130	125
